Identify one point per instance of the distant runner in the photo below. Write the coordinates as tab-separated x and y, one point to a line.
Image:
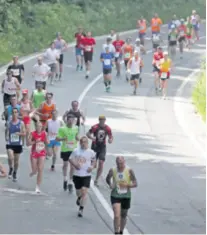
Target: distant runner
113	35
142	27
156	24
189	29
78	50
118	44
195	21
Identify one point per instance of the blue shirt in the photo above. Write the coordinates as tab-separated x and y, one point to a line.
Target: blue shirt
107	57
10	108
14	139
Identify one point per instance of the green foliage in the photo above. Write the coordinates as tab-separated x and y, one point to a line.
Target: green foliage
199	93
27	26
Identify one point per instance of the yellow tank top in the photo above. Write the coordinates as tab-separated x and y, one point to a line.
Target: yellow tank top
165	66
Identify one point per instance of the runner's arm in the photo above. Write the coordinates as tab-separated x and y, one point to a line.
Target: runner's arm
77	137
64	116
7	131
133	183
72	160
23	130
2	86
90	133
83	116
101	57
129	64
3	173
109	177
30	140
17	84
109	133
46	139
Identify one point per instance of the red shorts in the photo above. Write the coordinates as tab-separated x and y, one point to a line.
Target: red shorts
36	155
188	36
26	120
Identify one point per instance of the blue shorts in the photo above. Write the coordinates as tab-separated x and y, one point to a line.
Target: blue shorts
53	143
156	33
78	51
142	35
196	27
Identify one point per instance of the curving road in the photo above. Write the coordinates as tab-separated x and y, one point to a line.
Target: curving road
169	168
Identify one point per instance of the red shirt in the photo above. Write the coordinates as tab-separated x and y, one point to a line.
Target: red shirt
100	133
78	37
118	45
157	57
182	28
88	44
38	149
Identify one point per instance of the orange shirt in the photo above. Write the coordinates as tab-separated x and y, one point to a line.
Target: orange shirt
128	51
155	24
47	109
142	26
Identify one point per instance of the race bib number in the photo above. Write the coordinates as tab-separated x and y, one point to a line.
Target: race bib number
81	161
40	146
88	48
70	144
14	138
182	33
164	75
127	55
173	38
117	54
107	62
15	72
155	37
121	190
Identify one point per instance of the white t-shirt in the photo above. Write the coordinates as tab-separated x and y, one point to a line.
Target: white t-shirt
83	157
51	56
111	48
113	37
40	71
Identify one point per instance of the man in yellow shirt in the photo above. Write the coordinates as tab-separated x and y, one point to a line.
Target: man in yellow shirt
165	68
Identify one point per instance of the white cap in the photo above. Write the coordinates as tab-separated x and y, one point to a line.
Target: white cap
137	40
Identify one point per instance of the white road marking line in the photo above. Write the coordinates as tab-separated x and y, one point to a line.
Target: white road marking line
18	191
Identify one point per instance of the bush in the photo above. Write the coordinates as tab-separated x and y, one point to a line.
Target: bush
29	26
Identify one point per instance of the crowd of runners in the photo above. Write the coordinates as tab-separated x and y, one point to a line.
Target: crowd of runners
31	120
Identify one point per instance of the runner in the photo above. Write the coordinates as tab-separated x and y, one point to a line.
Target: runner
173	36
118	44
189	28
182	30
38	96
156	23
78	50
88	43
15	131
141	50
9	88
46	108
18	71
38	141
3	173
26	110
83	159
14	104
195	21
127	51
157	57
109	45
156	41
40	72
75	111
113	35
98	134
61	46
52	57
68	135
133	68
165	68
142	27
121	180
52	127
107	59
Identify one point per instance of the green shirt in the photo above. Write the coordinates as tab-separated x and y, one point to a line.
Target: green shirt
70	133
173	36
189	27
38	98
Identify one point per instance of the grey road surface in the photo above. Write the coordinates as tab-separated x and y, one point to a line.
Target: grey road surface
170	172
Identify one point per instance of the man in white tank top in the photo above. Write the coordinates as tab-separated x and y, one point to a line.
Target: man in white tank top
195	21
52	127
9	88
133	68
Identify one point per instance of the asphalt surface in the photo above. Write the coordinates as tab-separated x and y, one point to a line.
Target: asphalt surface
170	172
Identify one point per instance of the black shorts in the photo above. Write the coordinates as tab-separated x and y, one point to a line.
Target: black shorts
88	56
43	84
172	43
126	62
156	69
100	151
155	45
7	99
181	39
107	71
61	59
125	202
17	149
81	181
65	155
134	77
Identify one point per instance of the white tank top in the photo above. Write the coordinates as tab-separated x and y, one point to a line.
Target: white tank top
53	127
193	20
10	87
135	66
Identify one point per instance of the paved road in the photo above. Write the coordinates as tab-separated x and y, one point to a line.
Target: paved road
171	174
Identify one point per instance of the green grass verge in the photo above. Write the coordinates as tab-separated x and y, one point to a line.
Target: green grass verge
199	95
29	26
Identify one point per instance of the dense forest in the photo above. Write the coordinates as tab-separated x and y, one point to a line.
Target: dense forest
29	25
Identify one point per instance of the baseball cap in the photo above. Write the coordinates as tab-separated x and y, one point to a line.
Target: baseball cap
25	91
